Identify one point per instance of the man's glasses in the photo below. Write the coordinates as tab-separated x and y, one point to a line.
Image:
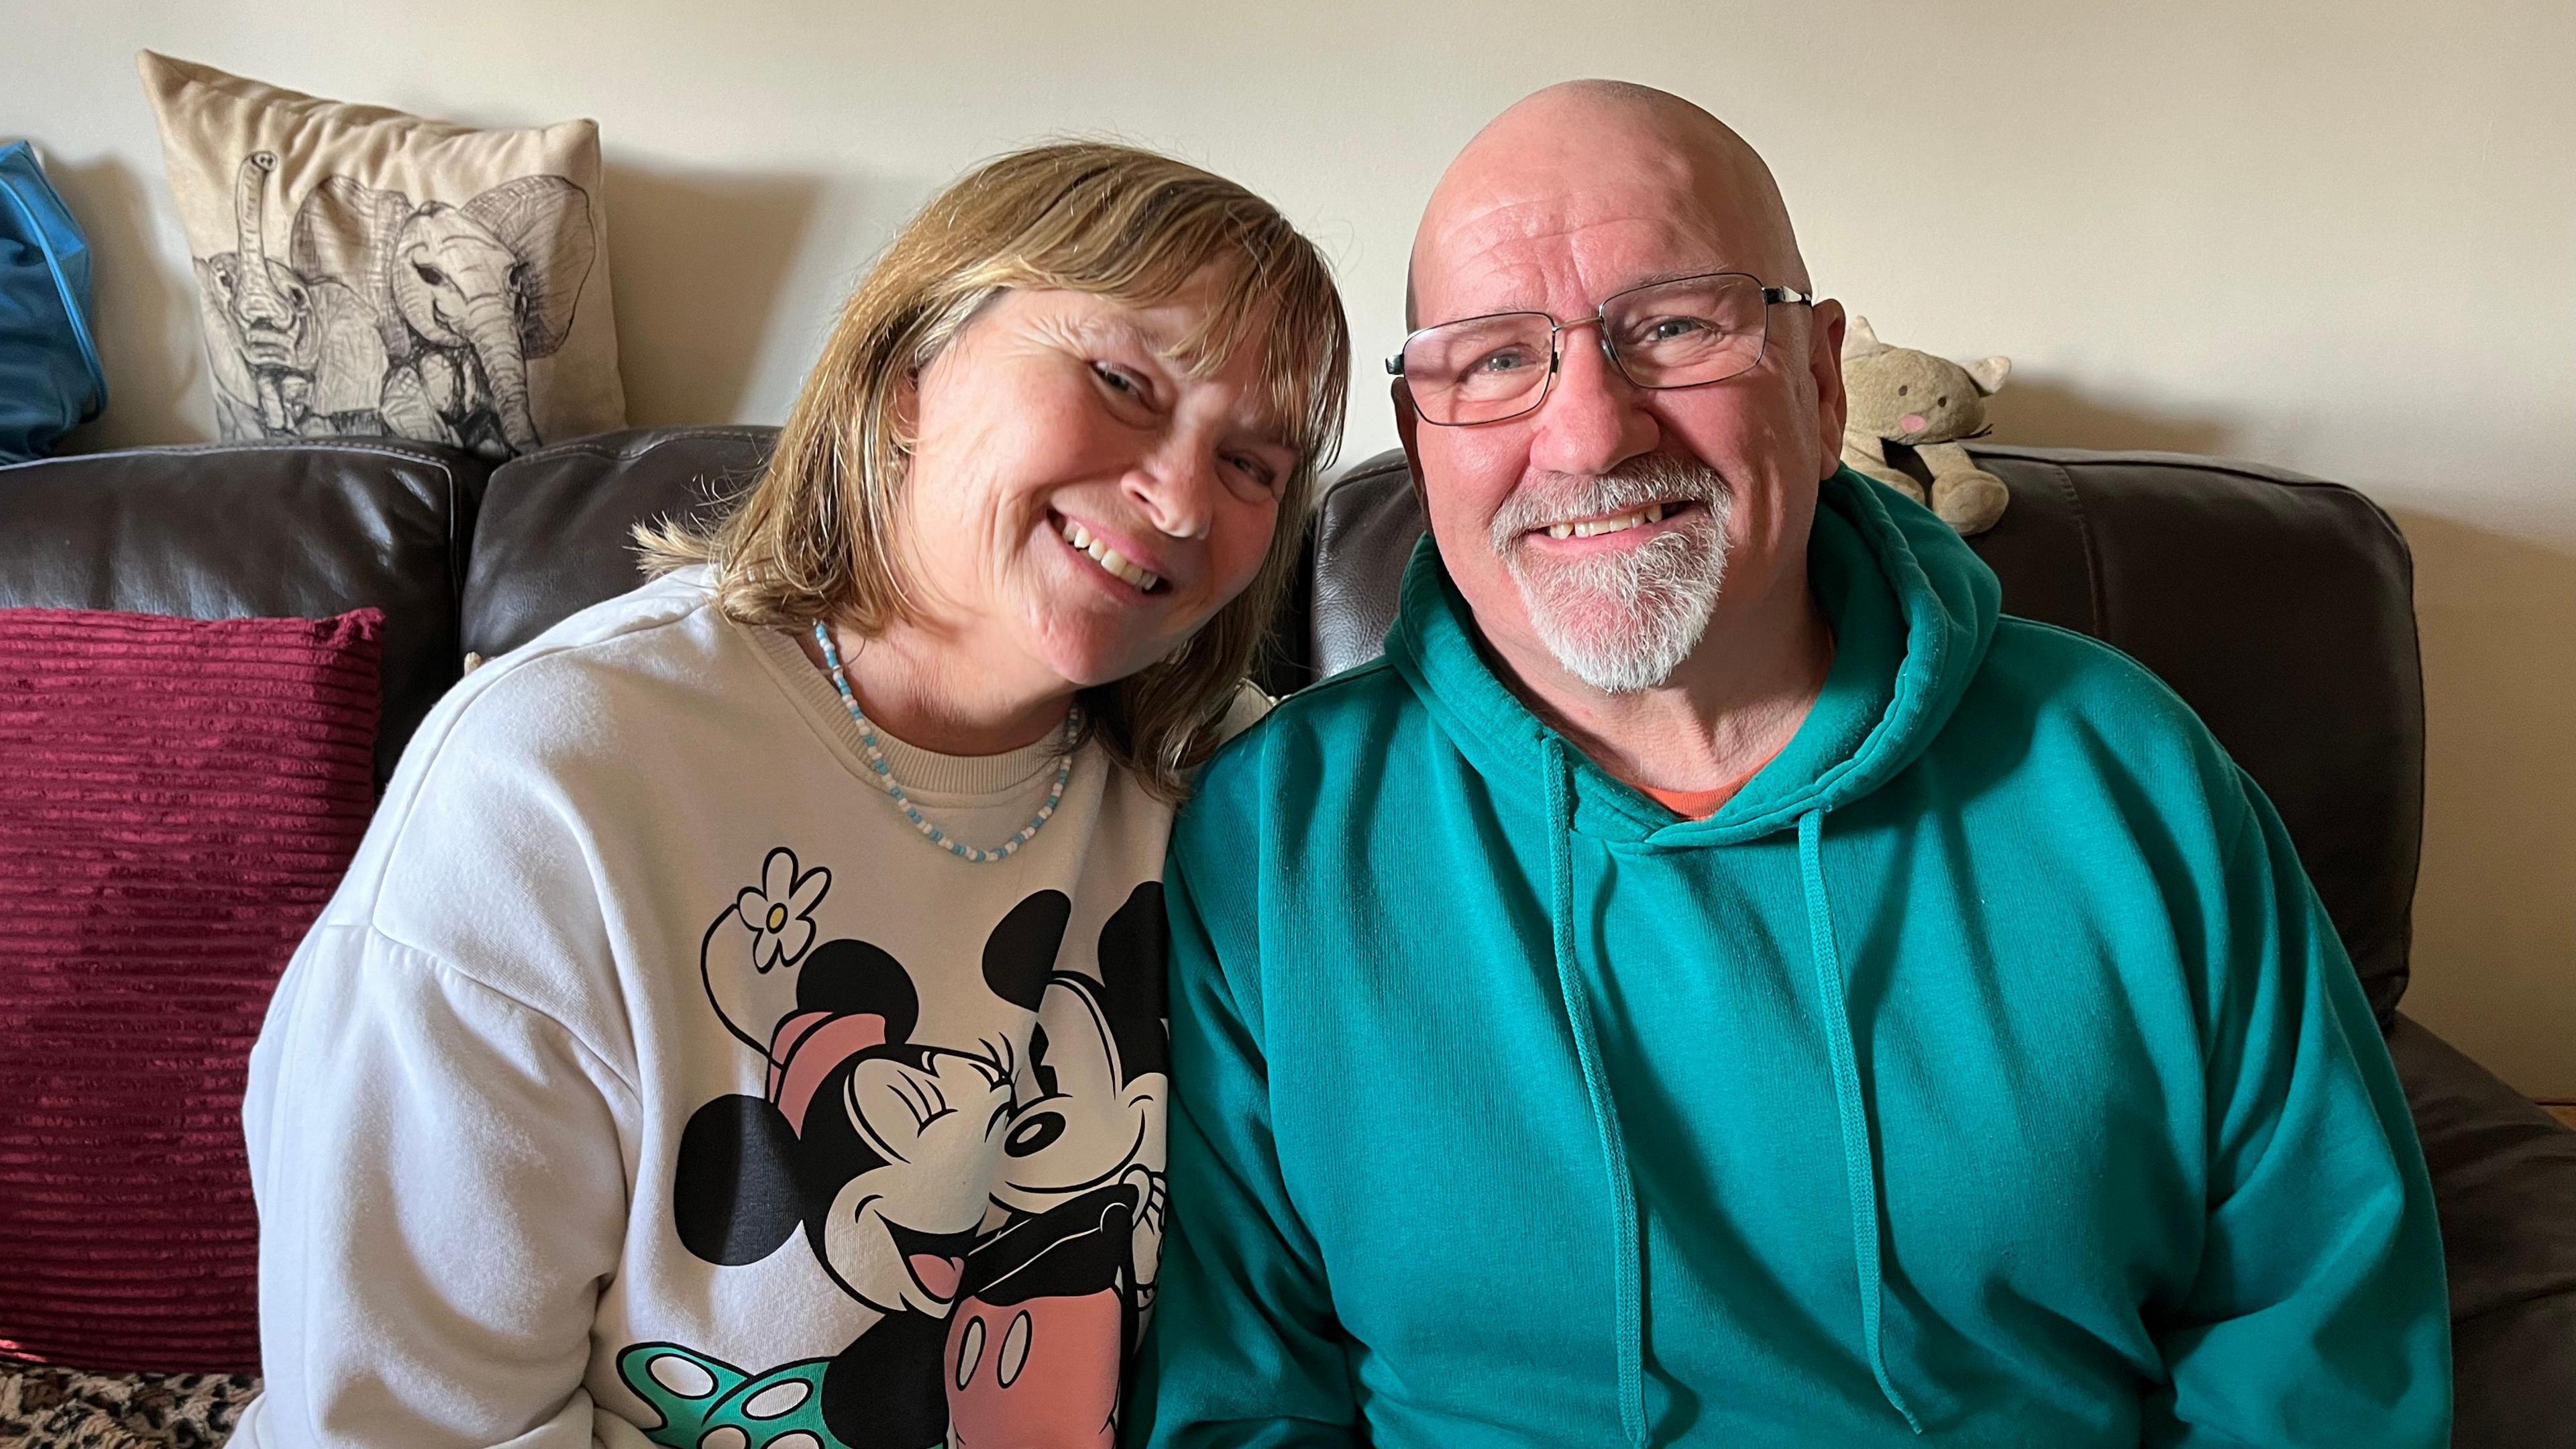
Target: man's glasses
1683	333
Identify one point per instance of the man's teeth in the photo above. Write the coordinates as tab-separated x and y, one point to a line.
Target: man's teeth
1109	558
1590	527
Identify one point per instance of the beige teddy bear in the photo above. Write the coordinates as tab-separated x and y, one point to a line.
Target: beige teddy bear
1927	403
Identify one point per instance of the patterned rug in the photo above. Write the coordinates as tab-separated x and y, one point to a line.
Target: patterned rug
56	1408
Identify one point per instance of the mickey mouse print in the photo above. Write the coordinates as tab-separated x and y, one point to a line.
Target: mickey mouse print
998	1202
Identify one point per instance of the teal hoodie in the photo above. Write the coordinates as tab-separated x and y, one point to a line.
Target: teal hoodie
1985	1072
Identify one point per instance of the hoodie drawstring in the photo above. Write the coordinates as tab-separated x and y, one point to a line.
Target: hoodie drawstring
1859	1173
1627	1291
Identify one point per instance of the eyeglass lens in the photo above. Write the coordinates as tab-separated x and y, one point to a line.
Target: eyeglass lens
1671	334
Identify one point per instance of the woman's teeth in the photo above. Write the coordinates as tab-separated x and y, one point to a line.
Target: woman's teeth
1592	527
1109	558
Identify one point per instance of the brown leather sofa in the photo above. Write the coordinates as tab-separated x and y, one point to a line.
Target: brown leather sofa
2280	607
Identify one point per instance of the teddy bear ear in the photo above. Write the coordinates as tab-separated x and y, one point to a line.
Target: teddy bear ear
1860	341
1989	373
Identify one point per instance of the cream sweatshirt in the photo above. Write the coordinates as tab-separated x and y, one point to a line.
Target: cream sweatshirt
652	1080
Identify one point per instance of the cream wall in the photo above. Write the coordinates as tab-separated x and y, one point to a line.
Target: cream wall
2337	237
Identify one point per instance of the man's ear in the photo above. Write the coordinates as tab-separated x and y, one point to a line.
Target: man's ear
1825	366
1407	424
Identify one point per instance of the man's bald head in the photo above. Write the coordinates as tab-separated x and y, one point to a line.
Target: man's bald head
1577	194
1582	150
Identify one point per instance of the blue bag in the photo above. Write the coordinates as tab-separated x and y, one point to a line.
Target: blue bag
50	380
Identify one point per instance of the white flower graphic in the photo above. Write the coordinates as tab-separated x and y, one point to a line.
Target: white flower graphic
780	910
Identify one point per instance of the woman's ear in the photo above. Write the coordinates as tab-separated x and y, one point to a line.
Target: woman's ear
903	408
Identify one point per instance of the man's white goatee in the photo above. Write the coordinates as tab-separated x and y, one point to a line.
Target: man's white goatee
1623	619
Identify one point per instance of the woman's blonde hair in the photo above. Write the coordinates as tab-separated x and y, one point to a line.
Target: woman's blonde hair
814	537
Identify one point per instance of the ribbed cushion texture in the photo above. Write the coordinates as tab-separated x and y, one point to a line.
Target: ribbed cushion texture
178	799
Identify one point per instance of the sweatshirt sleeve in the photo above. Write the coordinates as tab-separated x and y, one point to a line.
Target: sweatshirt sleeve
1245	1348
441	1188
2318	1315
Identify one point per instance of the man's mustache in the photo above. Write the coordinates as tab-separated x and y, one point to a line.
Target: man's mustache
1647	478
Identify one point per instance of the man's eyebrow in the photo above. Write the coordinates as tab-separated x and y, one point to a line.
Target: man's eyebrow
1649	279
1657	279
1681	273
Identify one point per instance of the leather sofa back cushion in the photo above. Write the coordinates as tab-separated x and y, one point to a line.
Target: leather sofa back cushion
286	530
556	532
180	800
2281	608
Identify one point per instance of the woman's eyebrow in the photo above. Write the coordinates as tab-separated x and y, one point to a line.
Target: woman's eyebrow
1267	428
1262	424
1127	330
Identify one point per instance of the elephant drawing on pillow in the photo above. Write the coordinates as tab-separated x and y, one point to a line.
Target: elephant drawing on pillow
465	297
291	355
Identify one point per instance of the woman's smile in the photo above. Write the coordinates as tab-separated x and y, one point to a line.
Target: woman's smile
1119	560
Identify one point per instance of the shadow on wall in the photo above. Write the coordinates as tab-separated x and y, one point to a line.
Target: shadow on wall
2495	913
2040	412
146	313
701	259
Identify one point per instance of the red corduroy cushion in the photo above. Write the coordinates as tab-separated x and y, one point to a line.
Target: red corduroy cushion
178	798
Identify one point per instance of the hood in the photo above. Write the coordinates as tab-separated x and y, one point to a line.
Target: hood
1912	610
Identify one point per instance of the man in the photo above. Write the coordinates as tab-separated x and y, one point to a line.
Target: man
1714	981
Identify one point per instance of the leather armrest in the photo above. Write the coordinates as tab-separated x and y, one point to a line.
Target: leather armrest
2504	1178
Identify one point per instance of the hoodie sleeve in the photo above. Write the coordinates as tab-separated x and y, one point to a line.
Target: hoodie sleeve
2318	1315
1245	1348
441	1191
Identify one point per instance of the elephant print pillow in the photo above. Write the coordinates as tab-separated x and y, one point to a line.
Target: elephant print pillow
364	273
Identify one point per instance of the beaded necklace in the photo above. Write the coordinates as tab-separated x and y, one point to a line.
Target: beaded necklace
884	773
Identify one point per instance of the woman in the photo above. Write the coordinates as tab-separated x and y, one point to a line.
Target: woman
743	1024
